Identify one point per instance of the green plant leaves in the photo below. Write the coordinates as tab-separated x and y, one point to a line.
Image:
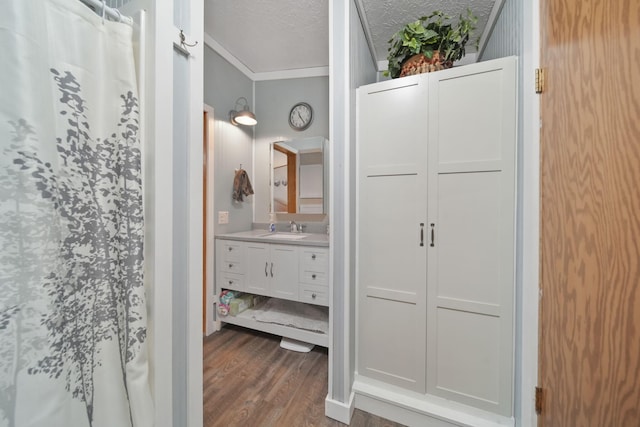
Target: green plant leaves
428	34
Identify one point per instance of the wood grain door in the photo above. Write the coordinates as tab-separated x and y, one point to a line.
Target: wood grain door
590	213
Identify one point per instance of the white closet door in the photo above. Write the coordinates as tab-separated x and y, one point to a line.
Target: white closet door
471	198
391	263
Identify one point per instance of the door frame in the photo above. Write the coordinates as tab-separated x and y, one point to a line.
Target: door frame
529	230
157	108
208	162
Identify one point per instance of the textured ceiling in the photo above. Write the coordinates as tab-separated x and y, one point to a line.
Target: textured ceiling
277	35
271	35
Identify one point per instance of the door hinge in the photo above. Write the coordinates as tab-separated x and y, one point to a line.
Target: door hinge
539	80
539	400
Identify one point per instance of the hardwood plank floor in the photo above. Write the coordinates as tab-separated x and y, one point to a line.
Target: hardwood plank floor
250	381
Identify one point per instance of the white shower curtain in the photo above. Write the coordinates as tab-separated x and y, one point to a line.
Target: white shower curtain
72	306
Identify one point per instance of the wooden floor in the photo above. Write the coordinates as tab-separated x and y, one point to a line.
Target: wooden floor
250	381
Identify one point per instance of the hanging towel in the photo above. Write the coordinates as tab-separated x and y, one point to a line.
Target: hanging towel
241	185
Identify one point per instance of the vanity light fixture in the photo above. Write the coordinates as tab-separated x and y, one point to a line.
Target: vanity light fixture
242	116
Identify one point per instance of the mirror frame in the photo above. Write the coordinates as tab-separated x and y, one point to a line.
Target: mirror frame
293	187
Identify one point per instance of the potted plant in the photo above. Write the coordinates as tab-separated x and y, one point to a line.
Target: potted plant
431	43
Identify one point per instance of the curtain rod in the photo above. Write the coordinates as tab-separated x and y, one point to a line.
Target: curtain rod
113	14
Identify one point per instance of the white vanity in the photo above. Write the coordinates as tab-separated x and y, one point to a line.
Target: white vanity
290	269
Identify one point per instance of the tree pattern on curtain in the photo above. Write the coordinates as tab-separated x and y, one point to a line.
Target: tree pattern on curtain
90	273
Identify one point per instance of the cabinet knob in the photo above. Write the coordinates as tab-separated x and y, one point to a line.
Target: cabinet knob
313	296
230	248
313	256
230	265
313	276
231	282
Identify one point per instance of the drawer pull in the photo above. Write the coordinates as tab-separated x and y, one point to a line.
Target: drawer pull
313	276
313	296
231	282
230	248
230	265
266	264
313	256
433	235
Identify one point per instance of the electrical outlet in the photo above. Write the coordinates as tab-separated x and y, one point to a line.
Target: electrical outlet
223	217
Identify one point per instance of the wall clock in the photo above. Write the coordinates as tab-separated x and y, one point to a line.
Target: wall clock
300	116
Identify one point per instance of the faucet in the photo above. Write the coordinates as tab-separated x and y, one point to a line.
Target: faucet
294	226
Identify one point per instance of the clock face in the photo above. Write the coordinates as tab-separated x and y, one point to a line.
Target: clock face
300	116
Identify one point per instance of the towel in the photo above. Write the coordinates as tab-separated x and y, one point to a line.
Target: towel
241	185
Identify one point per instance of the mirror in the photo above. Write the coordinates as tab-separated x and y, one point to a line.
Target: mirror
299	176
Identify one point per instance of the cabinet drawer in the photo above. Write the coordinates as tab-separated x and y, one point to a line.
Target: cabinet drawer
316	258
231	267
313	277
314	294
230	281
231	251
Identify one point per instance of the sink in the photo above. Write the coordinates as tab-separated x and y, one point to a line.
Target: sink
284	236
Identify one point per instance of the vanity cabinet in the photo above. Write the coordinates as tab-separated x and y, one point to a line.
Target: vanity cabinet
291	274
435	234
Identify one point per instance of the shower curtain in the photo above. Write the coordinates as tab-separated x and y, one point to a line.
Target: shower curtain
72	305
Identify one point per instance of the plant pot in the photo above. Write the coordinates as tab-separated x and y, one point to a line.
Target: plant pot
418	64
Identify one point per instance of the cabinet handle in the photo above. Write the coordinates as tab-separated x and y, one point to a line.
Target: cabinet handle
271	269
231	282
230	266
313	256
266	264
422	234
313	276
230	248
313	296
433	235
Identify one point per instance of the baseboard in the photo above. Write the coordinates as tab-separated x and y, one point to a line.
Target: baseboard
413	409
339	411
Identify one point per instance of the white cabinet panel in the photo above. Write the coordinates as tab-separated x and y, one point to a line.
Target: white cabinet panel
391	342
388	138
460	121
258	267
468	234
390	255
283	273
468	356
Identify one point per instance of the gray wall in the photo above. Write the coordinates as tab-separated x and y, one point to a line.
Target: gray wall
507	39
274	99
506	36
233	145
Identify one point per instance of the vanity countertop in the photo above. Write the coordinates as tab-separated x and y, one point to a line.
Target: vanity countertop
302	239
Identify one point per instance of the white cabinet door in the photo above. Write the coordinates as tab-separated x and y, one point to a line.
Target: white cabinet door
257	268
471	199
283	272
272	270
391	234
